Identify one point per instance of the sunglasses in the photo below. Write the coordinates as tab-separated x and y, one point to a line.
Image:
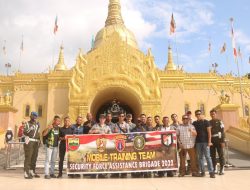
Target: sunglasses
121	116
184	118
198	114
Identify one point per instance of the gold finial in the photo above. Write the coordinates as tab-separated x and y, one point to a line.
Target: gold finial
114	13
170	65
60	66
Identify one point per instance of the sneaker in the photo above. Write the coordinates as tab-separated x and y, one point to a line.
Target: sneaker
34	174
203	174
59	176
47	177
52	176
27	176
181	175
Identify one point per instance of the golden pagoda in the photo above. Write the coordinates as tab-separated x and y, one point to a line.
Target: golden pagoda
116	75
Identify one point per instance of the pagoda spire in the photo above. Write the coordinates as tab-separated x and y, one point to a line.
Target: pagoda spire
60	66
170	65
114	13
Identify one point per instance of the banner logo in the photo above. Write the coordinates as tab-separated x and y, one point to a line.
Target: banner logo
120	142
101	144
139	142
73	143
167	139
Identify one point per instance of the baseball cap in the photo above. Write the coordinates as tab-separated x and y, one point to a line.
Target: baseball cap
34	114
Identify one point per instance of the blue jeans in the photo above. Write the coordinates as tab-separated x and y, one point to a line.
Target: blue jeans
50	160
203	150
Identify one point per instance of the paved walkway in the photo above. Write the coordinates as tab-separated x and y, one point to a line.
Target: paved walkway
232	180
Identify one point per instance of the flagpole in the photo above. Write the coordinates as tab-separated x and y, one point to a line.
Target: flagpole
237	62
20	56
241	94
177	53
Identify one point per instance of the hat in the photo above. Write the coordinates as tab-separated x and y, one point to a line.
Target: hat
189	112
34	114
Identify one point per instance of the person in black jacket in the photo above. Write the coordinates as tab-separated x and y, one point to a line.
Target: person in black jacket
218	140
63	131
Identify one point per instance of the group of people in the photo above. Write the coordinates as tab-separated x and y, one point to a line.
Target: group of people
198	139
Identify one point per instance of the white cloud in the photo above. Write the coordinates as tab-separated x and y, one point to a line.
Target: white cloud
78	21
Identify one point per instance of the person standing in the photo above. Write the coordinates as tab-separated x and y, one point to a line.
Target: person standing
158	125
166	127
120	127
203	143
109	122
129	118
63	131
175	123
51	134
149	124
78	128
140	127
100	128
186	135
218	141
31	146
87	125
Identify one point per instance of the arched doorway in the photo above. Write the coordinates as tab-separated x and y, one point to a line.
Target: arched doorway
115	99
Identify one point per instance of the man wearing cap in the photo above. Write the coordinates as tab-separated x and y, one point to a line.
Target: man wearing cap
218	140
129	118
186	135
100	128
31	146
203	143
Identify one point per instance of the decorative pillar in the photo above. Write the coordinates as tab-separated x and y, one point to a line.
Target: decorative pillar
229	114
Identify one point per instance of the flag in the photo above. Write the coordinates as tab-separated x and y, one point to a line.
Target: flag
172	25
209	47
239	53
223	49
21	47
4	48
56	26
233	38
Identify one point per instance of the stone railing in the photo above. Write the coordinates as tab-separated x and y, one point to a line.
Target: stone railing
245	124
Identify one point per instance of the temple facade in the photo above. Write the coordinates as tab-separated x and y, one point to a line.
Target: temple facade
113	76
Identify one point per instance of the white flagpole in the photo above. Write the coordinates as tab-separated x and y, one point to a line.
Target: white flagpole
20	56
237	62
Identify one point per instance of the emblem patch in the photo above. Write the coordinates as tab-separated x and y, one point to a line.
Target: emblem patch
139	142
73	143
167	139
120	142
101	144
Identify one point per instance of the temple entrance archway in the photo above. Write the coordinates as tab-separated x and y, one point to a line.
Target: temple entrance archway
113	100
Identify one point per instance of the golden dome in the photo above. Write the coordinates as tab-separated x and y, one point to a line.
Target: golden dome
115	24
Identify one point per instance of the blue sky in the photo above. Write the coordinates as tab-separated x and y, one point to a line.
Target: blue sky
197	21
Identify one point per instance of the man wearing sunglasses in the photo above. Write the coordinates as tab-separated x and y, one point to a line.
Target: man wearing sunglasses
186	135
203	143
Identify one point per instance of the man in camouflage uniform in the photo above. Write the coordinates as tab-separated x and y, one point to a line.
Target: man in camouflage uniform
31	146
